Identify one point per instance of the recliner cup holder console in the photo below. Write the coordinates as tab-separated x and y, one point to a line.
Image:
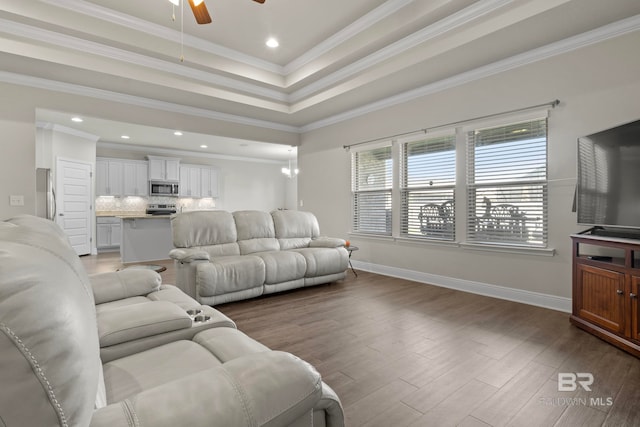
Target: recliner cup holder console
201	318
194	312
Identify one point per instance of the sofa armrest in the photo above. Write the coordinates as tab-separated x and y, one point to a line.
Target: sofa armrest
330	404
263	389
132	322
130	282
327	242
187	255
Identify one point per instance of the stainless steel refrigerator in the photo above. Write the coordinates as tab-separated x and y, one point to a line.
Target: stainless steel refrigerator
45	194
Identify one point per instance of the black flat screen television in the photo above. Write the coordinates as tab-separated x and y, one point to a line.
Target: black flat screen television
608	190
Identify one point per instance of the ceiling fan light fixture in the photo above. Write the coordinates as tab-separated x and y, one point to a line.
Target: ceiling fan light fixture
272	42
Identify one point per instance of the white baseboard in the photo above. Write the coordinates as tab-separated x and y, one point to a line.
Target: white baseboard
517	295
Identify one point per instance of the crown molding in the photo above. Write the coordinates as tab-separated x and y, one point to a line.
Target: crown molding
133	23
73	89
69	131
186	153
128	21
388	8
179	69
456	20
616	29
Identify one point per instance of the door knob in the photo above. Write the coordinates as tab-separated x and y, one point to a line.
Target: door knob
619	292
632	295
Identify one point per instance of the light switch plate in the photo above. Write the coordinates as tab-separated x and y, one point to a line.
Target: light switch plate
16	200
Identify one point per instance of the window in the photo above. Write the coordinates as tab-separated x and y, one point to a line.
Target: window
507	184
371	185
427	188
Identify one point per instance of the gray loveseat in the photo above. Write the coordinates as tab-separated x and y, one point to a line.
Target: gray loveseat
222	256
51	373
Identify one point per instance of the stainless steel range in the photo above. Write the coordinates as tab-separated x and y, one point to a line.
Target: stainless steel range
161	209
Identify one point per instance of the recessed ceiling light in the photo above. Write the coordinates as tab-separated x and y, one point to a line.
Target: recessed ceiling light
204	146
125	137
77	119
177	133
273	43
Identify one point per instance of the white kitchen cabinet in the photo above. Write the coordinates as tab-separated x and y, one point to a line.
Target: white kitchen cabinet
163	168
208	182
136	176
109	177
190	181
108	232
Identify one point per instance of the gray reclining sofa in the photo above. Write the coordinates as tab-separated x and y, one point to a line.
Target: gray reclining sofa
222	256
51	373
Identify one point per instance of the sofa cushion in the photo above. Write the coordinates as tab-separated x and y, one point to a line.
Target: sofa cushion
120	303
248	247
131	322
255	232
283	266
229	274
130	375
253	224
295	229
227	344
203	228
324	261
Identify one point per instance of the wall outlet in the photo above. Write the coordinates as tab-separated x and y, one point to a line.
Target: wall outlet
16	200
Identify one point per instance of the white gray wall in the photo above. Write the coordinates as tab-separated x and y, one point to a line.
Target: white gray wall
598	87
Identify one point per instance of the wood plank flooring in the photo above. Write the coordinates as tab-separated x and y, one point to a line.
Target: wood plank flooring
400	353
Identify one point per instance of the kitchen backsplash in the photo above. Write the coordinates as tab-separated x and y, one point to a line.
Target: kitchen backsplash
139	204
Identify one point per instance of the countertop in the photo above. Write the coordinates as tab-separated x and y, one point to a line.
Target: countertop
129	215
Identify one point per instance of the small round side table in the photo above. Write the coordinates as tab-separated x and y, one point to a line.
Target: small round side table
351	249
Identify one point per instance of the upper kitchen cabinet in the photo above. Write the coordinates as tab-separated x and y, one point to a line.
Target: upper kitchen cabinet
190	180
109	177
209	182
198	181
136	175
164	168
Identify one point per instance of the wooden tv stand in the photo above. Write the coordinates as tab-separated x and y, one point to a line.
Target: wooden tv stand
606	285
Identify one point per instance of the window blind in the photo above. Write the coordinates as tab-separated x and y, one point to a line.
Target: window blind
427	188
507	184
371	186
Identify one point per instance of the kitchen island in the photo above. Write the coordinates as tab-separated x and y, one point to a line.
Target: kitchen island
145	238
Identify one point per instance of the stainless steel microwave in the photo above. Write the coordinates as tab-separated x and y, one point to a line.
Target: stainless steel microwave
158	188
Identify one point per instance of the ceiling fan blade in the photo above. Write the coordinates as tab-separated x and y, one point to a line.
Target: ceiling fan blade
200	12
260	1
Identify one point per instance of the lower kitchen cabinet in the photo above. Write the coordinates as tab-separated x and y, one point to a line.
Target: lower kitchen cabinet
108	233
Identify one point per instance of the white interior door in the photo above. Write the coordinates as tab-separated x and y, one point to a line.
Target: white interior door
73	187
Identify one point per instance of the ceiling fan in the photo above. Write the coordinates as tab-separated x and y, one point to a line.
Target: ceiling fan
200	10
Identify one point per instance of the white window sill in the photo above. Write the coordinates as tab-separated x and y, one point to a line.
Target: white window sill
485	247
505	248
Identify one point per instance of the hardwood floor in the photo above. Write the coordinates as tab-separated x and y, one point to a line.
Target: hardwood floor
400	353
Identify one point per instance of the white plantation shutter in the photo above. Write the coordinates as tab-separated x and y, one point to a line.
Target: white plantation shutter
507	184
371	186
427	188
